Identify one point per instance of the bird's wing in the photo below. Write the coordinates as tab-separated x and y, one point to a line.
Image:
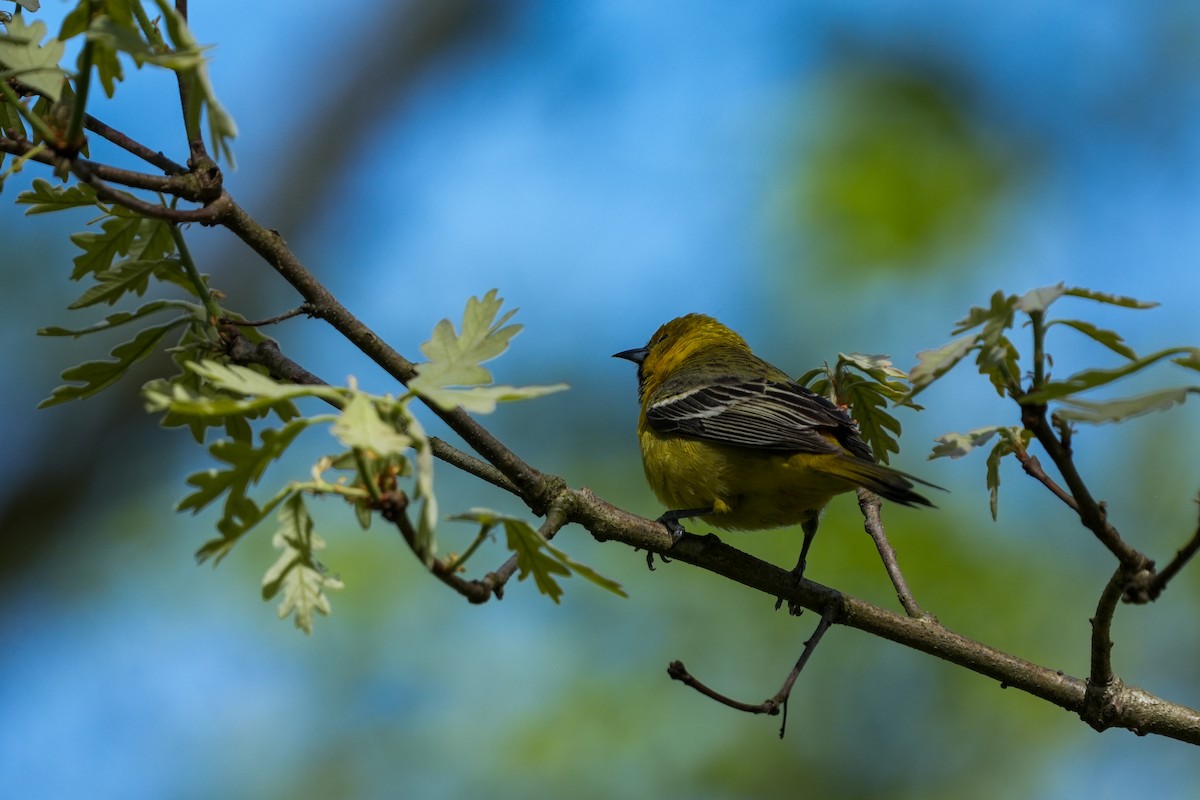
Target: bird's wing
763	413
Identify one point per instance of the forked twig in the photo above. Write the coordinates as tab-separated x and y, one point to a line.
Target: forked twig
774	704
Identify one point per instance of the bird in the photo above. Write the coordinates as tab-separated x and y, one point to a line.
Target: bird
735	442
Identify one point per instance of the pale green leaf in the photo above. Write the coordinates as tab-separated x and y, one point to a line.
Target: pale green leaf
302	580
99	249
123	317
1036	300
202	100
933	364
122	278
423	494
957	445
1093	378
45	197
1110	299
1123	408
359	426
998	315
24	57
536	556
247	464
95	376
483	399
1110	339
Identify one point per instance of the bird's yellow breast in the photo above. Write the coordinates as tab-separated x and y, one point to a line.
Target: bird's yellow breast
748	489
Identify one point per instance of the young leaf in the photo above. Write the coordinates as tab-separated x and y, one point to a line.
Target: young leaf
1110	339
247	464
1109	299
99	375
1039	299
537	556
99	249
957	445
32	63
483	399
933	364
124	317
188	62
124	277
455	360
239	518
1093	378
360	427
426	546
259	390
45	197
1097	413
998	315
302	579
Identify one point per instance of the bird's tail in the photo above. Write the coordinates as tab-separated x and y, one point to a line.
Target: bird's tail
890	484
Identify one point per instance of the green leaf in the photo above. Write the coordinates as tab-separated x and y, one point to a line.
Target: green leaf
259	390
1093	378
423	494
933	364
239	518
455	360
1110	339
483	399
99	249
999	314
124	277
124	317
99	375
868	407
247	464
360	427
957	445
193	75
1109	299
536	556
1121	409
1037	300
302	579
11	120
32	63
998	361
46	198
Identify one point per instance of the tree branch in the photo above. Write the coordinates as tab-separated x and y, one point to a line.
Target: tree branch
1091	513
870	505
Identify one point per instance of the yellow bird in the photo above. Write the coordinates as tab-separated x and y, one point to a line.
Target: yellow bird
732	440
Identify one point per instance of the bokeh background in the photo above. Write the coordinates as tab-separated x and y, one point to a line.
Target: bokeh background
826	175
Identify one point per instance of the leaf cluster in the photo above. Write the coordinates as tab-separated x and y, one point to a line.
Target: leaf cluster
985	332
866	385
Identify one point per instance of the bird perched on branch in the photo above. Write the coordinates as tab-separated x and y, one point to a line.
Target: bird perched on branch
733	441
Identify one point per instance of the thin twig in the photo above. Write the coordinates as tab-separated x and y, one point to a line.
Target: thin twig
303	308
777	702
207	215
1158	583
155	158
556	518
870	505
394	507
1091	513
1033	468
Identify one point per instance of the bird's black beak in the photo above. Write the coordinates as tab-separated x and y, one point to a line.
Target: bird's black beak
636	355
